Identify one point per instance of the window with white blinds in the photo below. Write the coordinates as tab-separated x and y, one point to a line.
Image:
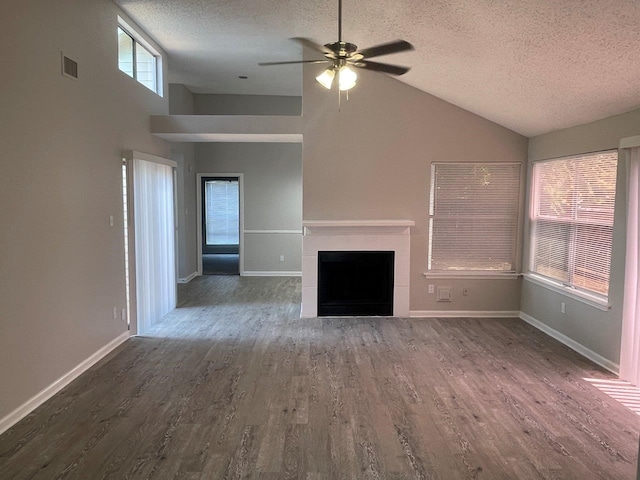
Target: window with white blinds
572	206
222	211
473	217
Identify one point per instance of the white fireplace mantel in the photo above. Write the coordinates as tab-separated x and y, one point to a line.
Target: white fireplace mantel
356	235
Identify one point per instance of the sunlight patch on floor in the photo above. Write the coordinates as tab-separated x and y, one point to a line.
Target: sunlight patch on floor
619	390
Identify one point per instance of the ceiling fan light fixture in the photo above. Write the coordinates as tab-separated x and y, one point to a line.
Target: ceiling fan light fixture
346	78
326	78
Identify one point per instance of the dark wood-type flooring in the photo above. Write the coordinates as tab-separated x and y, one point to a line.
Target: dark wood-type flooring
220	264
234	385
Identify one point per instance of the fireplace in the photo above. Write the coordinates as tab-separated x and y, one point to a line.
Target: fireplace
355	283
365	236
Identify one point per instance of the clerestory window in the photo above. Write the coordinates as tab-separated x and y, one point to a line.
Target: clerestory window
138	59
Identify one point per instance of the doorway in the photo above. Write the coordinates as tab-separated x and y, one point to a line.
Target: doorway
220	224
150	266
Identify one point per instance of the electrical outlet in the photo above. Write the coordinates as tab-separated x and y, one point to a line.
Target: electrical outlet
111	221
563	308
465	292
282	258
432	288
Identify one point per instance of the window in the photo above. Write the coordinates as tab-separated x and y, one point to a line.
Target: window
221	211
473	217
138	59
572	204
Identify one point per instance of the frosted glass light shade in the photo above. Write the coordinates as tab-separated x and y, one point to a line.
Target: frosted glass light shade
346	78
326	78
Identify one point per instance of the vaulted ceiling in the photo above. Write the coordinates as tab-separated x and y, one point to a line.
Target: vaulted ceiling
533	66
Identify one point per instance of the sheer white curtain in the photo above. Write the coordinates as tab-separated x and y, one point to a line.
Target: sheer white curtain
630	348
154	241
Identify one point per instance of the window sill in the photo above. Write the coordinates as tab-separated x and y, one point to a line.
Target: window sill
586	298
473	275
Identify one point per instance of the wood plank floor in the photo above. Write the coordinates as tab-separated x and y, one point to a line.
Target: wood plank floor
234	385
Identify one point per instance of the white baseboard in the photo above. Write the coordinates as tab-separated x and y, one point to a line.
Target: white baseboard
572	344
270	274
188	278
463	314
34	402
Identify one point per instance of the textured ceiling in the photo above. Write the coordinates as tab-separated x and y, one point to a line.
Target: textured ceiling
531	65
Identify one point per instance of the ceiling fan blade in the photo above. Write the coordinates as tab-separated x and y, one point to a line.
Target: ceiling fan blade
262	64
381	67
386	49
312	45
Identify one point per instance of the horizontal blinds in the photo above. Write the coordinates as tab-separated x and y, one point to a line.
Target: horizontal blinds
473	216
572	219
222	212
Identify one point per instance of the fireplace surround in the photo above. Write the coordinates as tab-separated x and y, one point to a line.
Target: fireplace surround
352	236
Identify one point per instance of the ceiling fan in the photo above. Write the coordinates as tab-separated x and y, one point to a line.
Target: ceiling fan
342	55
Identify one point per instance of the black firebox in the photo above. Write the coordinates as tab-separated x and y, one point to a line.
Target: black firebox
355	283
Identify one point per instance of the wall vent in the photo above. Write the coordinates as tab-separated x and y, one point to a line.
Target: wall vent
69	67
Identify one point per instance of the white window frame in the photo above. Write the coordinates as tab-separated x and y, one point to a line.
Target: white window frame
478	274
581	294
139	40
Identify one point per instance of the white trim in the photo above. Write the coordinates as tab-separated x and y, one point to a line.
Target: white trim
464	314
227	128
34	402
131	222
575	155
230	137
630	142
147	157
240	177
473	276
271	274
583	297
188	278
284	232
572	344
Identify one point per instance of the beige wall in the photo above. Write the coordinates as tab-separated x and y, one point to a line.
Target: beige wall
184	155
181	103
371	160
216	104
180	100
597	330
61	265
272	198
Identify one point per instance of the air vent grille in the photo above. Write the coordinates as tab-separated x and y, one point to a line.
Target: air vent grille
69	67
